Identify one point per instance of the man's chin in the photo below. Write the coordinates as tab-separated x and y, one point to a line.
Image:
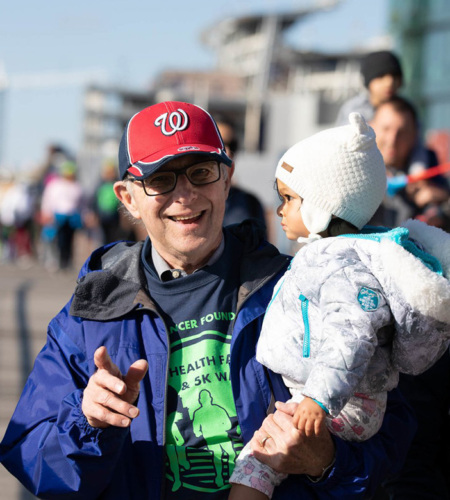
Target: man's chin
390	160
195	247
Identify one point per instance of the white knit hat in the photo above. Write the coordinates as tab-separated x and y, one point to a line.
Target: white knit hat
338	171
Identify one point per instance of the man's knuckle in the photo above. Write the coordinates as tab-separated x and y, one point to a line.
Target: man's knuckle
104	397
123	407
294	433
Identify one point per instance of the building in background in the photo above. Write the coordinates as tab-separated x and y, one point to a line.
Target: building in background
421	32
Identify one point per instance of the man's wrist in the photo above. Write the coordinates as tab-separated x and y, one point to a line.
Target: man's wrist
325	472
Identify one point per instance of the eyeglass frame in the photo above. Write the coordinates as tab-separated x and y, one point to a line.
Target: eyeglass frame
177	173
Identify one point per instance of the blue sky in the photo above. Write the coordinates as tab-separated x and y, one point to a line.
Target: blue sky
129	42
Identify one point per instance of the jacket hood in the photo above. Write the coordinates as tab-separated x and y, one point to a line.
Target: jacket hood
434	240
420	278
412	265
112	282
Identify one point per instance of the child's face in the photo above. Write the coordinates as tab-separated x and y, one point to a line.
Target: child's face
289	211
383	88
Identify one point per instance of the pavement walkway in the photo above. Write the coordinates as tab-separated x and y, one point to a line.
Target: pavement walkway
29	298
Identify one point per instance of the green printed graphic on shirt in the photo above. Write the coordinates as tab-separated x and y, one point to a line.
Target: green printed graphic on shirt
202	433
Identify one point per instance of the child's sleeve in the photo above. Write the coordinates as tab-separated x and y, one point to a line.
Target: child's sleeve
352	309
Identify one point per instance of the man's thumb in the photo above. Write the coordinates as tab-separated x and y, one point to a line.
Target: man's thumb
288	408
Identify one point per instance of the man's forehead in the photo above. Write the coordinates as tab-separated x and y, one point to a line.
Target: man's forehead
386	112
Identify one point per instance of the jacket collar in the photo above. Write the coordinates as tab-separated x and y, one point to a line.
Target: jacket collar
112	282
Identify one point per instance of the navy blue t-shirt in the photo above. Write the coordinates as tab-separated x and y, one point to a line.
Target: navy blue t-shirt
202	433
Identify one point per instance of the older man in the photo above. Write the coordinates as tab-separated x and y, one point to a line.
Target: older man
148	386
396	126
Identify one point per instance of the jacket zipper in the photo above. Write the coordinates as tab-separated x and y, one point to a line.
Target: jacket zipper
306	339
239	308
166	383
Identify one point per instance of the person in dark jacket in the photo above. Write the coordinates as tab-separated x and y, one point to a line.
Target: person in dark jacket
148	387
382	76
240	204
425	471
396	127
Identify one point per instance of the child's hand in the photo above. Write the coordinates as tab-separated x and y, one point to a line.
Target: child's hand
309	417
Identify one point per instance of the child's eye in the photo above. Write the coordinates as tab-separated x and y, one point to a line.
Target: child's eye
287	197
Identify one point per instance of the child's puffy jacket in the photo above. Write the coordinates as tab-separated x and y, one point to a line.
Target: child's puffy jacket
353	311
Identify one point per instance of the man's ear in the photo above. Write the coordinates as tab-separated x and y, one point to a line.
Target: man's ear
126	198
231	170
230	175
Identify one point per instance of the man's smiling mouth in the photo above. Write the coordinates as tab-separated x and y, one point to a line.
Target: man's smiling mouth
187	218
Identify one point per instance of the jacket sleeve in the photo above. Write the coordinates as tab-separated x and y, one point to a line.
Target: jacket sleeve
352	309
49	445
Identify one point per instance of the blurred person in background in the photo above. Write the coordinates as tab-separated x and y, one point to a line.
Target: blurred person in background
396	126
240	204
56	155
16	217
383	76
61	209
105	205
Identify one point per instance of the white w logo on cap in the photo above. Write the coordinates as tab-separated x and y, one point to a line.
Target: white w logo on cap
178	120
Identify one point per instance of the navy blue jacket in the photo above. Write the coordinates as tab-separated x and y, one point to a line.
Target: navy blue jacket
54	452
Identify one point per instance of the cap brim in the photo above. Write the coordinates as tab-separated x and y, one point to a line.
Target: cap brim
146	167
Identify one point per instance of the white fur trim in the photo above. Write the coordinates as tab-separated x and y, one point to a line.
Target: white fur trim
423	289
435	241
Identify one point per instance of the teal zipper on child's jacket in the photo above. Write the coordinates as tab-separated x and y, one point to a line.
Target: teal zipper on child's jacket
306	339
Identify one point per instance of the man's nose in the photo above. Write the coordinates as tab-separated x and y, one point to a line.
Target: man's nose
393	138
184	188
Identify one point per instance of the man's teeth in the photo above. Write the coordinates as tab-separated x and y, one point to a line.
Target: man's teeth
189	217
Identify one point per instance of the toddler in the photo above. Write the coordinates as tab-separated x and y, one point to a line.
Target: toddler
358	305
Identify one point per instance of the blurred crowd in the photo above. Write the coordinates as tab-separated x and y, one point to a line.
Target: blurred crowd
398	130
45	213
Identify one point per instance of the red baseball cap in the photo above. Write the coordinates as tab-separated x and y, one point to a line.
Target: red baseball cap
163	131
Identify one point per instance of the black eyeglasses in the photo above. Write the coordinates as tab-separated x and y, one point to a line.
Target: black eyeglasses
164	182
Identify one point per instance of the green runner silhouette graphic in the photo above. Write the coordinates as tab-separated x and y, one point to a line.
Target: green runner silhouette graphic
211	419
